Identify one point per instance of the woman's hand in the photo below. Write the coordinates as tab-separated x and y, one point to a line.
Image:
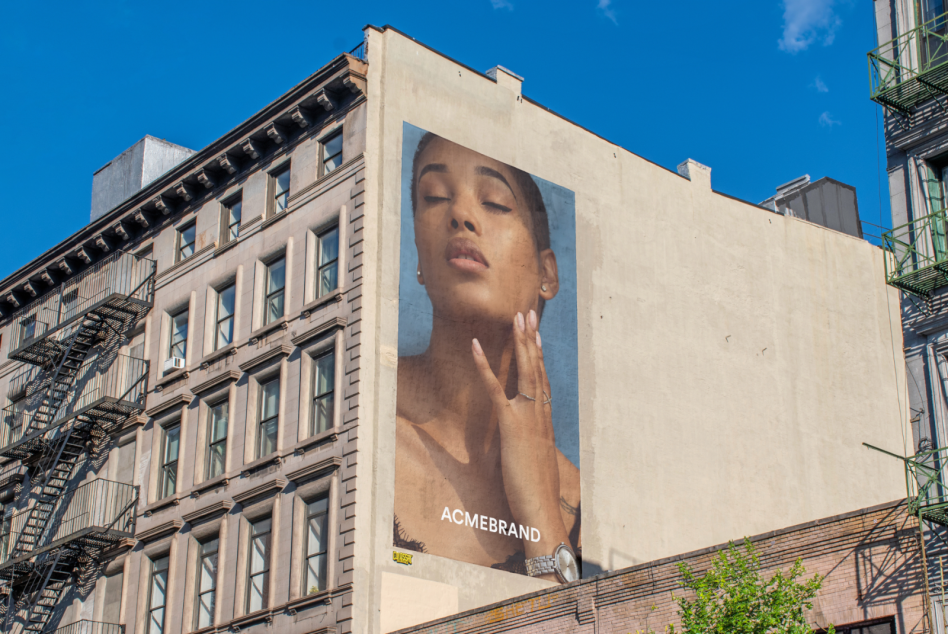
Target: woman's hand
527	444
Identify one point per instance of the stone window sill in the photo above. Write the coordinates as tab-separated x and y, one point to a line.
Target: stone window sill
316	304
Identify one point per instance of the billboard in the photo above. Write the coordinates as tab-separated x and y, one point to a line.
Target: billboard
487	431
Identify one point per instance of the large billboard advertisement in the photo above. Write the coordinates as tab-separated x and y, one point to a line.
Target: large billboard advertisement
487	432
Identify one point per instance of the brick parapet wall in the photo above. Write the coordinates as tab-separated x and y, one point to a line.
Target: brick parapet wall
871	560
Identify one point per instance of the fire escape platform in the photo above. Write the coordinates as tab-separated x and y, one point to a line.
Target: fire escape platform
106	412
912	68
916	254
43	349
91	540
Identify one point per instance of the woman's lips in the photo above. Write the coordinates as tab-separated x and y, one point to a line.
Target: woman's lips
464	255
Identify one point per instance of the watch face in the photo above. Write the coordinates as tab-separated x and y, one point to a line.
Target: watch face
566	564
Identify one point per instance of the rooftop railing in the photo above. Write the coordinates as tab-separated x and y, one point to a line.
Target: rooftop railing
916	258
110	385
121	274
94	508
359	51
90	627
912	68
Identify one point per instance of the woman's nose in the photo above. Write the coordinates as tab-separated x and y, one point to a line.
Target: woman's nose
464	214
467	224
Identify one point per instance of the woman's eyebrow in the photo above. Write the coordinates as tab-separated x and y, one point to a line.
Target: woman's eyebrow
486	171
433	167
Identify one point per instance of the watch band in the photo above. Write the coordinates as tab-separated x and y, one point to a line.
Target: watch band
537	566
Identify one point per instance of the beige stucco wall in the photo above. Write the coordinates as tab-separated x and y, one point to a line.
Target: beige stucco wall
732	361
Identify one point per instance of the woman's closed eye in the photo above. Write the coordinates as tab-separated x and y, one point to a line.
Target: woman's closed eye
496	207
434	200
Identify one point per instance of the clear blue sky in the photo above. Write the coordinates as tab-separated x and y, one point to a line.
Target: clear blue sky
761	91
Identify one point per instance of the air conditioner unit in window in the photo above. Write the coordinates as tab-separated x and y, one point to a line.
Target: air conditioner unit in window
174	363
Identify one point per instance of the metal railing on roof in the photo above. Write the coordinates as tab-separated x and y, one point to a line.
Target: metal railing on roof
912	68
359	51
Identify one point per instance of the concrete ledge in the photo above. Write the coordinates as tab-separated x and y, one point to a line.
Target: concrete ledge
171	526
223	377
175	401
267	355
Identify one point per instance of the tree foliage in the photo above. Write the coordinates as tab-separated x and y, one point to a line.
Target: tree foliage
733	597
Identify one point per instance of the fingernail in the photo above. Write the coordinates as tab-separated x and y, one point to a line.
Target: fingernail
533	319
477	347
539	343
520	324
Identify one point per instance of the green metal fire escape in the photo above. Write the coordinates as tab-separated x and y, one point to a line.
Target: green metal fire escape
912	68
916	255
86	390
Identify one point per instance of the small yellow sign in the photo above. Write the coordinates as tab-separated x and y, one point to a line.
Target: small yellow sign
401	558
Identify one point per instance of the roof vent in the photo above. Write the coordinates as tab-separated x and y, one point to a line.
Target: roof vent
129	172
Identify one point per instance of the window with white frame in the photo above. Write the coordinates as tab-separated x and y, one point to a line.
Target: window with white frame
280	186
230	219
258	585
224	317
275	291
186	238
317	538
206	583
170	447
327	261
178	339
332	153
269	417
324	384
217	439
158	595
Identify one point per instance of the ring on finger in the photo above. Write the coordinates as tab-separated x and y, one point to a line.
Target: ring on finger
529	397
549	398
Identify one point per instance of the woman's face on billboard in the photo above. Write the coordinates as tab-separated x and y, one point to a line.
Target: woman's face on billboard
477	253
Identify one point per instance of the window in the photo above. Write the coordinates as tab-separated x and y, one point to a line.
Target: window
886	626
259	572
186	237
275	287
206	583
327	261
225	317
5	533
281	190
16	419
230	220
317	533
27	328
168	477
178	342
323	391
269	417
332	153
217	440
158	598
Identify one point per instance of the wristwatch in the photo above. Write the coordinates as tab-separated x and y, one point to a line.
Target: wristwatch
562	563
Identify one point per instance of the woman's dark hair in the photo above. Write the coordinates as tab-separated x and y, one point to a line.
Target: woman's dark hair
526	184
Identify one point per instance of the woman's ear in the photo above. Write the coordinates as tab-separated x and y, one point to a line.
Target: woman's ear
549	275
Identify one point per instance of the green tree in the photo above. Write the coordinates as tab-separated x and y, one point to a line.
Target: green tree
732	597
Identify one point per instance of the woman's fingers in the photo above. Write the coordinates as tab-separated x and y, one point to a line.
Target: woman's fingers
494	390
531	340
544	379
526	377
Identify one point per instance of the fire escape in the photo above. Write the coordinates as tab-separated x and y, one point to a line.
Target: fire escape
83	390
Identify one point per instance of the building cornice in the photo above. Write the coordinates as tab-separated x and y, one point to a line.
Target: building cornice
193	181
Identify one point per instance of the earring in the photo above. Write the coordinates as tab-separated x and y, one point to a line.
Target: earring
543	287
421	280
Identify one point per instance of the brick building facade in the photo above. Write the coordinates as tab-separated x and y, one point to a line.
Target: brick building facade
870	559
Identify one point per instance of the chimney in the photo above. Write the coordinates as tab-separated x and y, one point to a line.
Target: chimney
132	170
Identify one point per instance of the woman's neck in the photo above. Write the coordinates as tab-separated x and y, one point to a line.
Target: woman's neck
456	391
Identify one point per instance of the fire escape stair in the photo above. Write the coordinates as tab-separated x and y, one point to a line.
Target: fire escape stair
37	573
